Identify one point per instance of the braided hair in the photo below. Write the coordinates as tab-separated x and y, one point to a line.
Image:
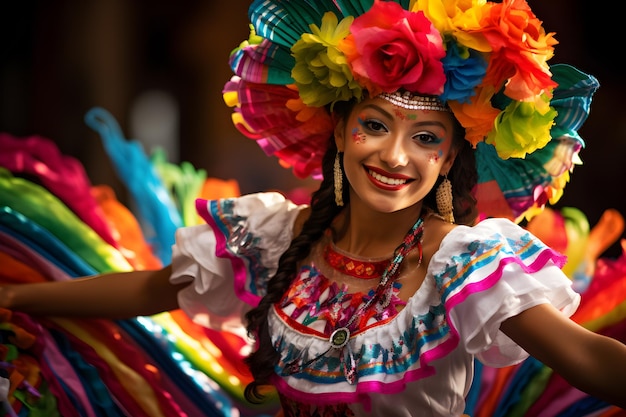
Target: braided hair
323	210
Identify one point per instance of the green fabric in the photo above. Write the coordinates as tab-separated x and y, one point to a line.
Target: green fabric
39	205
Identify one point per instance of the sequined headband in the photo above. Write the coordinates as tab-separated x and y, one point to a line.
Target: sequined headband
410	101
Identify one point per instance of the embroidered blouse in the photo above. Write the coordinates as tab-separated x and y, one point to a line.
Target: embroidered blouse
417	360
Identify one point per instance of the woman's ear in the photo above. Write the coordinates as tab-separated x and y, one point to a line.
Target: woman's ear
340	134
449	161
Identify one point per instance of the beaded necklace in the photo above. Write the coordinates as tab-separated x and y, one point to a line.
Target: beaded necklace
340	337
348	265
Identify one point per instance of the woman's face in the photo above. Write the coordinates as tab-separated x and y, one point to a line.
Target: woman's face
392	155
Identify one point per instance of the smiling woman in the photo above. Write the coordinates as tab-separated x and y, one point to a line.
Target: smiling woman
435	127
394	153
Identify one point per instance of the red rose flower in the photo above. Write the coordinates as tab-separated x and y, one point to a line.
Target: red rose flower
390	48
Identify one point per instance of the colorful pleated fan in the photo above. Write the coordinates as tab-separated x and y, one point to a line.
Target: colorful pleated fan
274	117
516	187
267	107
54	226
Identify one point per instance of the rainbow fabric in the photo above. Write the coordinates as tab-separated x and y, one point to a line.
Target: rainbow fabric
56	225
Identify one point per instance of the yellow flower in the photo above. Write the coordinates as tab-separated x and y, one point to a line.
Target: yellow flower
459	19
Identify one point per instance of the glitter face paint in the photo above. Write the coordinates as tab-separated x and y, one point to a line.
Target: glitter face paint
402	115
357	134
434	157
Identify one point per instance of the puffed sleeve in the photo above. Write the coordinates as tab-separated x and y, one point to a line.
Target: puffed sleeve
493	271
229	260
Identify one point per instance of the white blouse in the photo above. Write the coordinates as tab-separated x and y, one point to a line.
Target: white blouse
418	362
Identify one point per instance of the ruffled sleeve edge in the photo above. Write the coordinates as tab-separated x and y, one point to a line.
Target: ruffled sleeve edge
267	216
239	269
531	257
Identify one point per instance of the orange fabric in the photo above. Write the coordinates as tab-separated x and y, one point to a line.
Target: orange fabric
613	412
490	402
228	344
125	229
14	271
214	188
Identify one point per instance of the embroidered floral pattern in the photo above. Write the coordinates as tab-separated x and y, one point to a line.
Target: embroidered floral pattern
312	297
315	298
481	253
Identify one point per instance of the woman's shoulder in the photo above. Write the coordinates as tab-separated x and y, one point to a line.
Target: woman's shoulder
496	228
489	242
260	224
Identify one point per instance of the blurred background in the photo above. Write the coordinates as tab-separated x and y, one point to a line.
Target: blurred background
159	68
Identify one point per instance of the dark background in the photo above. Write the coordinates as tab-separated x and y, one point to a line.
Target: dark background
60	58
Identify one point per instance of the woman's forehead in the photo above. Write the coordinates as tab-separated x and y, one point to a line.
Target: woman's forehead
401	113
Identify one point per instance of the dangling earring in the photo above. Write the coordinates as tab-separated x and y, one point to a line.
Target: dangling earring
338	181
444	200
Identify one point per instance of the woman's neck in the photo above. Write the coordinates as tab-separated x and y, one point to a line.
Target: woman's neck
372	234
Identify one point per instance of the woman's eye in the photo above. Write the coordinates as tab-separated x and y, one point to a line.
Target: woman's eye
426	137
375	126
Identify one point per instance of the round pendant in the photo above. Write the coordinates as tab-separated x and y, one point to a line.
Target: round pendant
339	338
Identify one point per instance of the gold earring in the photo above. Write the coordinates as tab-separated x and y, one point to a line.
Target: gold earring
338	181
443	197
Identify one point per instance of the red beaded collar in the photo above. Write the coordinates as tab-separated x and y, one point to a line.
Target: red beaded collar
356	268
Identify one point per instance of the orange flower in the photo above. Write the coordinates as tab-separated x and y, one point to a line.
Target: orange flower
477	116
520	50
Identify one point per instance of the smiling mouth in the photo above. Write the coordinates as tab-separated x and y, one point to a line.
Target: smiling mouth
386	182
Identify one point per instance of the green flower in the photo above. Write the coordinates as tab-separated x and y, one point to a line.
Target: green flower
522	128
321	72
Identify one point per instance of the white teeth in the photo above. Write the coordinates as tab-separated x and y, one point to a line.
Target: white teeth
386	180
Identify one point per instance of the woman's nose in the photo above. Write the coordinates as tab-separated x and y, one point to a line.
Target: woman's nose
394	152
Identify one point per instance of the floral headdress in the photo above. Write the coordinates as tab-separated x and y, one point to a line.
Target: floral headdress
487	61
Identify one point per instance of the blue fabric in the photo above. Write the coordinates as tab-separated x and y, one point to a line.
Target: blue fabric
158	212
43	242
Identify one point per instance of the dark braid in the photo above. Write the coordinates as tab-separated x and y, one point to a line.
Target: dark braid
464	177
323	211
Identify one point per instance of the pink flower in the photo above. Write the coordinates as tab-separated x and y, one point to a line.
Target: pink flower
390	48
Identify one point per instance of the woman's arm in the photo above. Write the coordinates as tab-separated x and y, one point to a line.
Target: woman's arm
111	295
591	362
